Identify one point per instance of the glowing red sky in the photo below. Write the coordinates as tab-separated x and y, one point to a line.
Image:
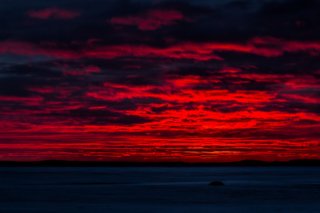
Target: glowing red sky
159	80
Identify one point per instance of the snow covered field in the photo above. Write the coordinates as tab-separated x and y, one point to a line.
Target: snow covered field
159	189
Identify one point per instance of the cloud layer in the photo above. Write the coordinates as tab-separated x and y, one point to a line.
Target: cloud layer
180	80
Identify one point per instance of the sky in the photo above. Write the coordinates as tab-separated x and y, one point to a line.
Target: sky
129	80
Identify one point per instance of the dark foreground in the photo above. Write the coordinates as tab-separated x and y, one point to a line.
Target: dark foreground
159	189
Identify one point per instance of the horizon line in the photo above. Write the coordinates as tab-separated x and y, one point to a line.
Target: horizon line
79	163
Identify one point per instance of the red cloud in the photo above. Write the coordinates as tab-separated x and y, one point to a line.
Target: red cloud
193	125
152	20
30	49
180	91
267	47
28	101
207	51
53	13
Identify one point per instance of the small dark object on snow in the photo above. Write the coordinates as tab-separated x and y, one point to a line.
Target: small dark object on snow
216	183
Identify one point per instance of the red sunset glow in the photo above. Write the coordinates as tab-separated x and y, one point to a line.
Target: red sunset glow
164	82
